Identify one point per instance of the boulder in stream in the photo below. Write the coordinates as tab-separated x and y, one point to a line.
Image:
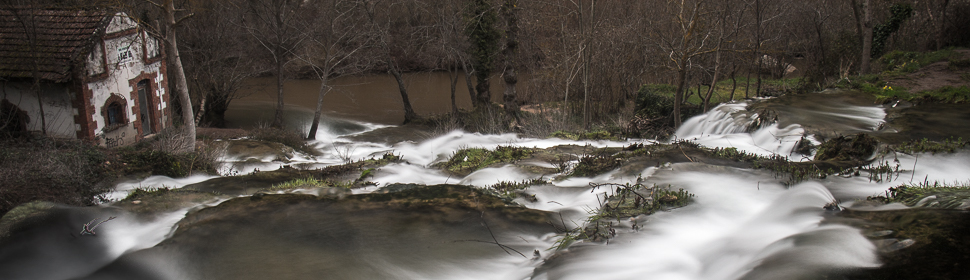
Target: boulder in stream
859	147
432	231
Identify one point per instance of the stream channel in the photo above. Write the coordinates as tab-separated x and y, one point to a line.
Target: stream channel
742	223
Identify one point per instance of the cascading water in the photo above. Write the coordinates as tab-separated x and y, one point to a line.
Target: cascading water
727	125
742	224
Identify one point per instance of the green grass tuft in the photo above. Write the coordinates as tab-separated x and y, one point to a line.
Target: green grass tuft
466	161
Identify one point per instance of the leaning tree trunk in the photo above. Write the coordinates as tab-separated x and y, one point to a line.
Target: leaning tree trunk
469	83
178	77
717	72
409	114
324	89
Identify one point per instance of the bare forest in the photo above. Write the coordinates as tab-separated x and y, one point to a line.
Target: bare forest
586	58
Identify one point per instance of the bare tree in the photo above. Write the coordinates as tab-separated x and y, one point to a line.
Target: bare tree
272	23
380	33
729	16
174	61
685	38
334	39
217	69
454	44
484	38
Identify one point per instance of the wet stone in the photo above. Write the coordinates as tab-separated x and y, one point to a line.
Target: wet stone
293	236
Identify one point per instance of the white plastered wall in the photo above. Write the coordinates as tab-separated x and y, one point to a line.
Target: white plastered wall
58	112
121	69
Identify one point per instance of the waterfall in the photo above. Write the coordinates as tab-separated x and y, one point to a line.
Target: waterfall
742	224
727	125
727	118
739	226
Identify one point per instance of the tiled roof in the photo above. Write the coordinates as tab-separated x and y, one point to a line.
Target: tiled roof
61	36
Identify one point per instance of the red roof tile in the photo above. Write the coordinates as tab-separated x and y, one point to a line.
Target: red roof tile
61	37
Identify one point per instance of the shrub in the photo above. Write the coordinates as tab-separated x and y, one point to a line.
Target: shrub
948	94
852	148
959	63
592	165
655	100
909	62
466	161
67	172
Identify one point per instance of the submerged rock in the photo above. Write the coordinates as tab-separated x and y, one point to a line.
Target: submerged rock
350	174
916	243
859	147
427	229
247	149
248	184
22	213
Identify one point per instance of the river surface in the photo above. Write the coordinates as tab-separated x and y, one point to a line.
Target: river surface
370	98
742	224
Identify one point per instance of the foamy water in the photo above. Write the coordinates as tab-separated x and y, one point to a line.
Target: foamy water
742	223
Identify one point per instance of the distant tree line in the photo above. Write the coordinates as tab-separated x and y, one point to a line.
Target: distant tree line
589	56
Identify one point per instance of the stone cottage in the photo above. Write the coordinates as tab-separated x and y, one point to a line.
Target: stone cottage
90	75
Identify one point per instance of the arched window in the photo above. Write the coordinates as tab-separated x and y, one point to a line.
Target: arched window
114	112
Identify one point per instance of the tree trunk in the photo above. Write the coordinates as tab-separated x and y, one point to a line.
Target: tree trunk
734	83
278	116
40	101
468	82
858	21
215	110
679	95
717	71
484	97
757	47
866	37
454	86
511	46
511	78
202	105
181	88
324	89
747	84
942	26
409	114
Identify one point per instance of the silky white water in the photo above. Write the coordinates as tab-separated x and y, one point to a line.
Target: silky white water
742	223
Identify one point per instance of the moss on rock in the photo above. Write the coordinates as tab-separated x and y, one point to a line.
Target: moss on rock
859	147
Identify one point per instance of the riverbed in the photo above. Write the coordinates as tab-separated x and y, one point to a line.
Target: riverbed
742	222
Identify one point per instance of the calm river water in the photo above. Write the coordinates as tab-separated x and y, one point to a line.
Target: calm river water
369	98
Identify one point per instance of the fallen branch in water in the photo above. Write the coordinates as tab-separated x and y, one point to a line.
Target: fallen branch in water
504	247
89	229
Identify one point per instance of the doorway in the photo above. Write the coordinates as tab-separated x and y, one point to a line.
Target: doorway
144	108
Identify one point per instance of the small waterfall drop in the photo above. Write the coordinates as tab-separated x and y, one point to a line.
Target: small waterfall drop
728	118
727	125
740	226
